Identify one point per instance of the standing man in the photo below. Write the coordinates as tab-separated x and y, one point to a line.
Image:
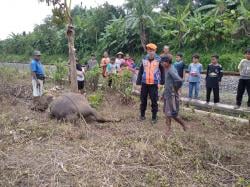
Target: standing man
38	75
244	81
92	62
213	79
150	75
80	76
173	83
166	51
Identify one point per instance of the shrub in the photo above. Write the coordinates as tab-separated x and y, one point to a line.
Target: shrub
61	71
95	99
92	78
123	84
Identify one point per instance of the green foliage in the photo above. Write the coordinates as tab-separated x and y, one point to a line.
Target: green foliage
92	78
205	27
95	99
243	182
61	71
9	74
122	83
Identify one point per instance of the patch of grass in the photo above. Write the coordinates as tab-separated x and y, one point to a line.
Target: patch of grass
153	178
9	74
129	153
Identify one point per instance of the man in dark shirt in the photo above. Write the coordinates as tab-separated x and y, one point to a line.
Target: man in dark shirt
213	79
180	65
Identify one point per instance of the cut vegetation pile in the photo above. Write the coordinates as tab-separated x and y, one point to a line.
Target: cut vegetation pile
38	151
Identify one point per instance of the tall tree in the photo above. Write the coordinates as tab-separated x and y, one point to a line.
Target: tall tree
140	16
62	9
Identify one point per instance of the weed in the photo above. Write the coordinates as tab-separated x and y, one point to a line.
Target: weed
92	78
95	99
61	70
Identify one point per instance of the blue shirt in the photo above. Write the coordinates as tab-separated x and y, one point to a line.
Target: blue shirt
194	72
157	57
112	68
37	67
179	66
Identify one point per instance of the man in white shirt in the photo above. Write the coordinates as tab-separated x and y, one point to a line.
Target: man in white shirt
80	76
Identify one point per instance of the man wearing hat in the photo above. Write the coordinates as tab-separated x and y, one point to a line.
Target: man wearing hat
38	76
150	75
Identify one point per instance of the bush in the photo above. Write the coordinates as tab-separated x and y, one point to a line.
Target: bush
61	71
123	84
92	78
230	62
14	58
95	99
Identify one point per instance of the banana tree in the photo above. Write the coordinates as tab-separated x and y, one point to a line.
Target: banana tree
218	8
244	18
140	17
62	9
178	24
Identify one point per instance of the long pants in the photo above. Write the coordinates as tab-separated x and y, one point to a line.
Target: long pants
196	87
216	92
110	82
244	84
37	88
152	91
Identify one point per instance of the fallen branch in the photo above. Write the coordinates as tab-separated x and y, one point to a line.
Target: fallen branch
225	169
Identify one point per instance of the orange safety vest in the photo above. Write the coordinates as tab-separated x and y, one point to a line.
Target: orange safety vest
151	74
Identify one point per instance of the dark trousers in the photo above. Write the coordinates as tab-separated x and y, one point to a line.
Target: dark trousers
244	84
110	82
152	91
216	92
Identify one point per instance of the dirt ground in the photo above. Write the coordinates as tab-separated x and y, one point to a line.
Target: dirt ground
38	151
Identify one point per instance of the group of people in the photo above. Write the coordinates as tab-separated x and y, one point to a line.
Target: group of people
116	65
110	67
154	71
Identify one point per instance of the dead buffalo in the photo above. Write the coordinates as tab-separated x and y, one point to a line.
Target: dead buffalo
71	106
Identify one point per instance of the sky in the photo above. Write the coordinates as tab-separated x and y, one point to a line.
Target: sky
17	16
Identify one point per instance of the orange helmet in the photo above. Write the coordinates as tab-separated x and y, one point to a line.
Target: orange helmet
151	46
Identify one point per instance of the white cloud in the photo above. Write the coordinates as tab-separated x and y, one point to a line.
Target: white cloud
21	15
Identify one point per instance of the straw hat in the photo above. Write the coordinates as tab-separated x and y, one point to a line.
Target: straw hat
120	53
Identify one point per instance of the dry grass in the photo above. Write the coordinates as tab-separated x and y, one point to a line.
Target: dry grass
37	151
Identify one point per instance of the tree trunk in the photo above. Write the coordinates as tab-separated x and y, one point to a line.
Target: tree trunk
72	59
143	37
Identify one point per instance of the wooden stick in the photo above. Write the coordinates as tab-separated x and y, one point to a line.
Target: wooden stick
225	169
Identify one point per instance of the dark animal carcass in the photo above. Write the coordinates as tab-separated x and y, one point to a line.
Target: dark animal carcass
71	106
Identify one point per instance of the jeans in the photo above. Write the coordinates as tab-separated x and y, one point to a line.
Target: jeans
196	87
244	84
